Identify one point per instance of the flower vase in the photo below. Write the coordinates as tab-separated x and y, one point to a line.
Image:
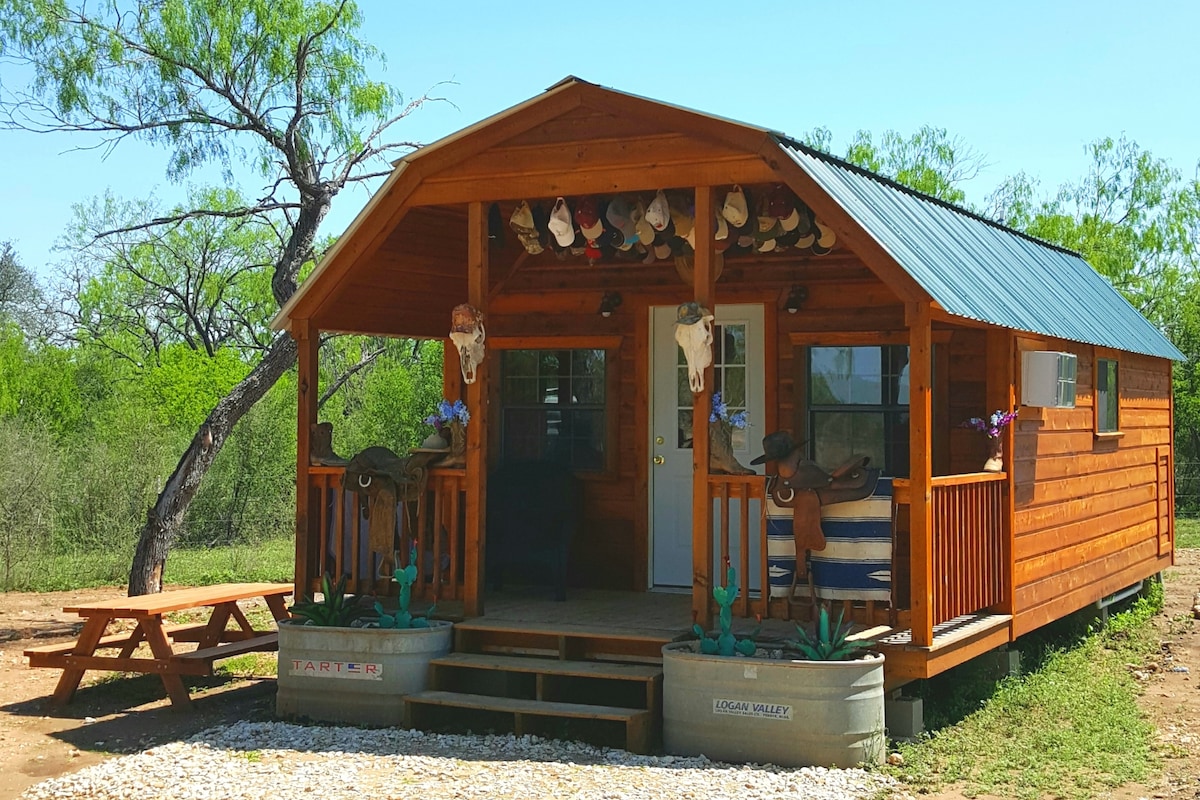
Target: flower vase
457	456
720	450
995	459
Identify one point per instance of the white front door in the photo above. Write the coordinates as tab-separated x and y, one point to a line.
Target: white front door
739	376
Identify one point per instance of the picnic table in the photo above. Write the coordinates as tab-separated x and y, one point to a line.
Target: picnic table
213	640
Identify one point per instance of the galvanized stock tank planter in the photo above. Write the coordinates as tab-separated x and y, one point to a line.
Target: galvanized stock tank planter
777	709
355	675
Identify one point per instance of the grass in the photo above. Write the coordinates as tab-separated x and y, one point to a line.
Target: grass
269	560
1070	728
257	665
1187	533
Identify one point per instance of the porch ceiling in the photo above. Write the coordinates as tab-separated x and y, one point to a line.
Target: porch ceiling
400	268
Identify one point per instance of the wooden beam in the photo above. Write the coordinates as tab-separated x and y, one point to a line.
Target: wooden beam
307	380
498	287
474	568
606	179
451	370
579	342
704	288
920	414
1000	365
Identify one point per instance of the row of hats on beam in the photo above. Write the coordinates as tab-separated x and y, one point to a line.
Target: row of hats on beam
626	227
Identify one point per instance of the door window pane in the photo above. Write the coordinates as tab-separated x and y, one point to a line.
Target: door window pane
553	407
729	378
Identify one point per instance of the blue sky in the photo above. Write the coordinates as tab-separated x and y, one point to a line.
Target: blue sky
1027	84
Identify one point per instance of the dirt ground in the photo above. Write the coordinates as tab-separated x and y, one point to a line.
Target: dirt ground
107	718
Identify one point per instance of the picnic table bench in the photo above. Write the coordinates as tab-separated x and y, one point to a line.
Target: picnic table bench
213	640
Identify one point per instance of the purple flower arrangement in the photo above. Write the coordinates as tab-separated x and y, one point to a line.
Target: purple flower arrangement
993	425
720	413
448	412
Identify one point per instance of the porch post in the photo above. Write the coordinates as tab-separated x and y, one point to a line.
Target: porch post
1000	391
920	452
451	372
704	293
476	534
307	391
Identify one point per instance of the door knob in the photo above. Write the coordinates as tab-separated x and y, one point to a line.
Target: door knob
659	460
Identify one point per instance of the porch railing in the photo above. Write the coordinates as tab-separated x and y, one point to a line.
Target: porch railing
724	490
436	523
969	563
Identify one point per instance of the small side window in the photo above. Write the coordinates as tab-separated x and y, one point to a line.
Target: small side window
1108	396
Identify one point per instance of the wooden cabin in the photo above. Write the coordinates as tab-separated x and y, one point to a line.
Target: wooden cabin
911	316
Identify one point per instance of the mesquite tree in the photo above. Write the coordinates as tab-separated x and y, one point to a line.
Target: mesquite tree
279	87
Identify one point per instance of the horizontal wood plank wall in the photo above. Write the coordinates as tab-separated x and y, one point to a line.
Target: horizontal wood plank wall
1087	508
860	303
966	398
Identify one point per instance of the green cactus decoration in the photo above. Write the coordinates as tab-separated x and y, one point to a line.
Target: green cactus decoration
829	643
725	643
336	608
402	618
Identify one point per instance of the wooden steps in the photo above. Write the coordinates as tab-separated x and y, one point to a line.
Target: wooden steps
564	641
615	704
526	713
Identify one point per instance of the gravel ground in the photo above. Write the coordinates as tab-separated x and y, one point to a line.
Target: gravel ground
258	760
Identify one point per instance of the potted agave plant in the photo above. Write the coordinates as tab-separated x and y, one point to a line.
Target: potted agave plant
816	700
341	661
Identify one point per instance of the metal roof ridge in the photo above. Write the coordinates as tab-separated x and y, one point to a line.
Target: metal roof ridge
788	141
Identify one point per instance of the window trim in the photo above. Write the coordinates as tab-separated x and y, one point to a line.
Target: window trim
1108	355
805	407
611	345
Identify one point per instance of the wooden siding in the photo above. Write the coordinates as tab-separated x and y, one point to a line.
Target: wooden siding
1092	513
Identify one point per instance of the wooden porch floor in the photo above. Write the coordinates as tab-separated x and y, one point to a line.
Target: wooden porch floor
531	620
652	613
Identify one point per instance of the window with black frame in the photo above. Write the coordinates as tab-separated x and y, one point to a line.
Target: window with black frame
1108	405
553	407
858	404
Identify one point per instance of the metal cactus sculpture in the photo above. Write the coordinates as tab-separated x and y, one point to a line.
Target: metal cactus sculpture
402	618
725	643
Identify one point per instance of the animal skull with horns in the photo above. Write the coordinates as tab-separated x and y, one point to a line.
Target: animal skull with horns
694	333
466	331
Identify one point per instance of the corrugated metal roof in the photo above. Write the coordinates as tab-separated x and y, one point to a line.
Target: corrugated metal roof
978	269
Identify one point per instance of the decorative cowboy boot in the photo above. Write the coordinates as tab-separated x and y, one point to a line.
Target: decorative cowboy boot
720	451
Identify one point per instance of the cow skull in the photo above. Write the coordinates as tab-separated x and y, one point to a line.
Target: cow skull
696	340
468	335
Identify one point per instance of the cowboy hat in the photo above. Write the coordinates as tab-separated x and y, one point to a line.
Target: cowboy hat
776	446
690	313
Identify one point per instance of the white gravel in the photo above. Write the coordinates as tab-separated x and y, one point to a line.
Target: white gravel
259	760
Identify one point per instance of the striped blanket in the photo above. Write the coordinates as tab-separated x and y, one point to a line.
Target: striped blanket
856	563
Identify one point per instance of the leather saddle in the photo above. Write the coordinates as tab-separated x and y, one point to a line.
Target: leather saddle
803	486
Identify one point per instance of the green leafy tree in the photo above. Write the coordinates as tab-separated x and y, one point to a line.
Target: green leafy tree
278	85
1132	217
20	295
930	160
